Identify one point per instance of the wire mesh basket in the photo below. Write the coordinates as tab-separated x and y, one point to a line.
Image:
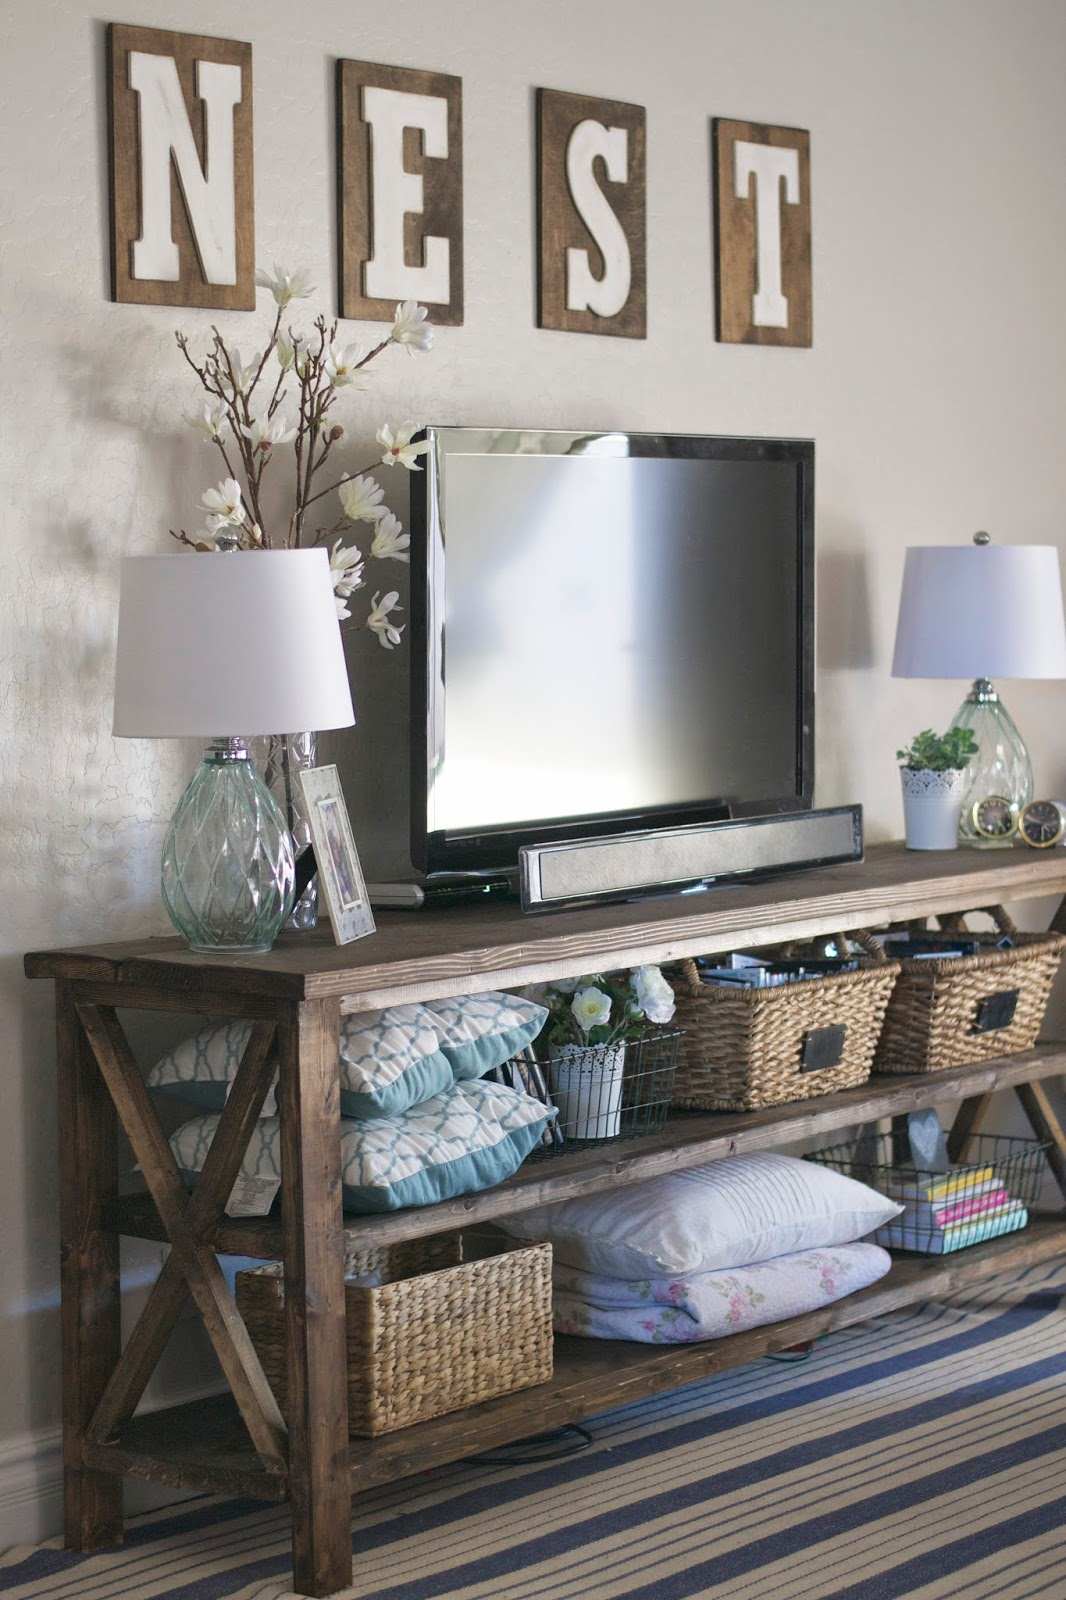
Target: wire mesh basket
602	1092
990	1195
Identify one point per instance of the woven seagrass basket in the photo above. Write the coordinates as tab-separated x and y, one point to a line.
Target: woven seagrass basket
970	1008
438	1334
743	1049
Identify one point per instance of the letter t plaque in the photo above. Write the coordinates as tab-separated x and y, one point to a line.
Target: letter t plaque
762	228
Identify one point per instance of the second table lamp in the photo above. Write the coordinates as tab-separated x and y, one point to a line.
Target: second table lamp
983	611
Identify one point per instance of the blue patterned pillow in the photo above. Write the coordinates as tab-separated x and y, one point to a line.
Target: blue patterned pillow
478	1032
468	1138
389	1060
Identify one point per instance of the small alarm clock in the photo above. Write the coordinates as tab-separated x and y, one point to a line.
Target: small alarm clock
1043	823
994	817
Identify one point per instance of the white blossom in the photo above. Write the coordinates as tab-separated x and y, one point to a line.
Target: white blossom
210	422
654	995
242	373
341	364
390	542
285	286
361	498
346	575
380	622
398	447
285	350
265	432
591	1008
410	327
224	504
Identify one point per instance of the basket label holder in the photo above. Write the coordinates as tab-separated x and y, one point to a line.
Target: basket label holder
823	1047
996	1011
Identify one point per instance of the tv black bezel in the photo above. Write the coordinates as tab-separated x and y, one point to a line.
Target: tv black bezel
491	851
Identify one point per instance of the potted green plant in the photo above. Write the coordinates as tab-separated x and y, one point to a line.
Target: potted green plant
933	773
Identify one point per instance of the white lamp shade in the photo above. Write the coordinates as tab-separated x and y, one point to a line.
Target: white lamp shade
216	646
981	611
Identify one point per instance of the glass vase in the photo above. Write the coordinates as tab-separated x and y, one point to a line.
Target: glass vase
227	871
279	758
1001	766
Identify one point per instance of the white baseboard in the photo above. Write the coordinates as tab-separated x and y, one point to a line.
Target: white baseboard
31	1488
31	1484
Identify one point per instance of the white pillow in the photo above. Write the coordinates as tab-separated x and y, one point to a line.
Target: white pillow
726	1214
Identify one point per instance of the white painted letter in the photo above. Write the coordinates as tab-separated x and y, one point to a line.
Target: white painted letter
395	192
768	163
607	295
209	198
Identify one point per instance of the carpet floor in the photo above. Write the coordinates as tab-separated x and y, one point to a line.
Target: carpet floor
922	1455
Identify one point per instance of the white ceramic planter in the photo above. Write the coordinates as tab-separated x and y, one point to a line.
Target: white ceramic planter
931	805
587	1087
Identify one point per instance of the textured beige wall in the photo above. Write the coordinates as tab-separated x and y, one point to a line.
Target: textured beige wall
935	391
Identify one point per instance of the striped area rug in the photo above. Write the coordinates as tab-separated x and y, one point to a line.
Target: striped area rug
920	1455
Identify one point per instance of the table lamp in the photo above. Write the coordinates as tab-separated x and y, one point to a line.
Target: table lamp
221	647
983	611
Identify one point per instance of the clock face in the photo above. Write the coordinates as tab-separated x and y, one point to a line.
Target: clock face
993	817
1042	823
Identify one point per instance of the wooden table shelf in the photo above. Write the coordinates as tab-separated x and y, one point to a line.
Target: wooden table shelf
204	1444
294	997
688	1139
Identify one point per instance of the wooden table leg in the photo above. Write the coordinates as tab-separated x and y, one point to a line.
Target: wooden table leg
91	1312
317	1411
967	1125
1046	1125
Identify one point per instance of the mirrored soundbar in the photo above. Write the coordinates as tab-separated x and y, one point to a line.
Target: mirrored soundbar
656	861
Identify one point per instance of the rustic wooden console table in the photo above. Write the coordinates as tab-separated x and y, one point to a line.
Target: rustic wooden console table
238	1443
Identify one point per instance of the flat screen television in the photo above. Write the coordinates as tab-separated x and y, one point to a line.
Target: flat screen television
608	631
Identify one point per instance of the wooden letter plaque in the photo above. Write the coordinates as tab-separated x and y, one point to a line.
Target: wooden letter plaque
187	128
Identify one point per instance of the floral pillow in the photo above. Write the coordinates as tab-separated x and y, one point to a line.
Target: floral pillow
709	1305
470	1137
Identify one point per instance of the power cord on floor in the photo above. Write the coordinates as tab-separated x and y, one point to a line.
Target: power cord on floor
558	1445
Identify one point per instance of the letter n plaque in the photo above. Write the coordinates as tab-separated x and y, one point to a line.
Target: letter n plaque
180	127
762	228
400	191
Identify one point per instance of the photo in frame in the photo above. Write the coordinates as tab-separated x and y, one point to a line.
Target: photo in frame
340	875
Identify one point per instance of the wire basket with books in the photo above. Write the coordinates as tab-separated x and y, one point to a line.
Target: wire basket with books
954	1206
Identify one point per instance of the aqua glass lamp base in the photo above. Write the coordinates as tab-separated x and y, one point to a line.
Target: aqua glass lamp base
1001	767
228	871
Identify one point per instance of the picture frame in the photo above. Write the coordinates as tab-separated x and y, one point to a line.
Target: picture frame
340	875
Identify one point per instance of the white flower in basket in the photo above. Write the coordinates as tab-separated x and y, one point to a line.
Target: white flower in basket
591	1023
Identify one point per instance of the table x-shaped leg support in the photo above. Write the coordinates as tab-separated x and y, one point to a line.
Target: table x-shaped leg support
190	1221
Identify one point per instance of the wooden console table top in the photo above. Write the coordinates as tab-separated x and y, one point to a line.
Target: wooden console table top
431	954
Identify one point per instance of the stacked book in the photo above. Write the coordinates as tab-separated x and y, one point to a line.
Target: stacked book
947	1211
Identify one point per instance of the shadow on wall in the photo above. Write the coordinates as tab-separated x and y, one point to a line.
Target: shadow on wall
844	657
373	758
